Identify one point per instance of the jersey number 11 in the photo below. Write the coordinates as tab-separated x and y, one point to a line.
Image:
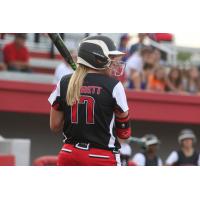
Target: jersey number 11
89	103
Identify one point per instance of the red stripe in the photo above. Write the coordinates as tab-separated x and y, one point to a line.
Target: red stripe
74	113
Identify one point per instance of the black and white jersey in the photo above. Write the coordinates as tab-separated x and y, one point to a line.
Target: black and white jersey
92	119
178	158
141	159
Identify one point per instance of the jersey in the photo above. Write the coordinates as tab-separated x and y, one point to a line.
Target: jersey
178	158
151	162
141	159
91	120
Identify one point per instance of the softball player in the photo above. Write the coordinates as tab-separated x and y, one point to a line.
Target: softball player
187	154
149	156
90	106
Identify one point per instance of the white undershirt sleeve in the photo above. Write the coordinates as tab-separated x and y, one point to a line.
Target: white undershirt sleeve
172	158
125	149
120	96
198	161
139	159
160	163
54	94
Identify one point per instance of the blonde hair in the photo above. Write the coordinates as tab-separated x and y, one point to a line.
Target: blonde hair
75	84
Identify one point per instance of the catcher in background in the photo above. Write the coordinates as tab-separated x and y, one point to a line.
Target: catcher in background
149	155
186	155
90	106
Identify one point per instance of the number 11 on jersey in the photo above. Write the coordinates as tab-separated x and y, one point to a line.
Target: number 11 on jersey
89	104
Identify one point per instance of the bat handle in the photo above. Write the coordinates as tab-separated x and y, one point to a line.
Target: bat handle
139	141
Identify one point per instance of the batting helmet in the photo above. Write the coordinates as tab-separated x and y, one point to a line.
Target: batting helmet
150	139
94	52
186	134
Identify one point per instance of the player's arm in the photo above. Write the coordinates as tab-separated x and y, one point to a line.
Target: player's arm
198	163
160	162
122	122
139	159
56	113
56	120
172	159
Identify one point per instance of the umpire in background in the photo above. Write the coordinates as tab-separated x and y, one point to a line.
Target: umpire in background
186	154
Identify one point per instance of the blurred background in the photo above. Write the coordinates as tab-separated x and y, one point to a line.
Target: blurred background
162	81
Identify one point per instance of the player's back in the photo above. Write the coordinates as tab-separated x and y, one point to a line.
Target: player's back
92	119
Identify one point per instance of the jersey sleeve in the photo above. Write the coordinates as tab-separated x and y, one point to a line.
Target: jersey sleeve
120	97
198	160
55	98
173	157
139	159
160	163
125	149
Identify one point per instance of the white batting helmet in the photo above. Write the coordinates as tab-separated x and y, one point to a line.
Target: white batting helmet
151	139
186	134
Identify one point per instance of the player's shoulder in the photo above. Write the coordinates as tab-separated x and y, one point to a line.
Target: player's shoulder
65	79
174	154
113	80
139	156
64	83
172	158
103	79
160	162
139	159
112	84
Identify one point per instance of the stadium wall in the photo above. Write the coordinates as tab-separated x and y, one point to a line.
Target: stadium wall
44	142
24	113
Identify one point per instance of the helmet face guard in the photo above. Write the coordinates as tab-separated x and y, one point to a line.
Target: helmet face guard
117	67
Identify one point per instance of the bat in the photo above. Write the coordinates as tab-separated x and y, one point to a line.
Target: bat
60	45
140	141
